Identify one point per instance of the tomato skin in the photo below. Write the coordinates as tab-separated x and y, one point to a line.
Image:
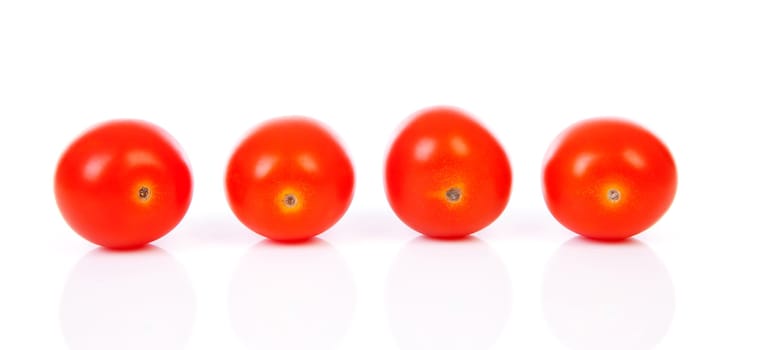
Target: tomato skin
608	178
123	184
440	149
289	179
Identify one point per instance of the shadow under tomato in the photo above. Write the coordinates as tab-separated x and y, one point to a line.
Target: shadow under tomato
308	242
448	294
607	295
136	299
291	296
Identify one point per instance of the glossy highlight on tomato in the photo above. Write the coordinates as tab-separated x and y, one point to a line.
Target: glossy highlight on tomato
289	179
608	178
446	176
123	184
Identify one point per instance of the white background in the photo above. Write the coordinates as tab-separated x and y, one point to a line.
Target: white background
207	71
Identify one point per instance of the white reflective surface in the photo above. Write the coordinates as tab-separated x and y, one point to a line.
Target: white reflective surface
448	295
291	296
607	296
132	300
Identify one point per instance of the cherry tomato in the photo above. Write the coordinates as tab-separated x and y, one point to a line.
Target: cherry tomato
123	184
289	179
446	176
608	178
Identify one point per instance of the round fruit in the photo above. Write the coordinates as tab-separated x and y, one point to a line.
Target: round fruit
123	184
289	179
608	178
446	176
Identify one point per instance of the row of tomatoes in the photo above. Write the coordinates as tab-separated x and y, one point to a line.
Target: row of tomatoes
125	183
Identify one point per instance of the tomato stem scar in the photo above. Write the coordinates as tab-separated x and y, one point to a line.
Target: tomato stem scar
290	200
144	193
614	195
453	194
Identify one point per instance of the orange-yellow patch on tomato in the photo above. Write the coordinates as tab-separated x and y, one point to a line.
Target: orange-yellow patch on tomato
143	192
290	200
613	195
452	195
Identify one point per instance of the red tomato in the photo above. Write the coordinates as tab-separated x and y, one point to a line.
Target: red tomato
289	179
446	176
123	184
608	178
